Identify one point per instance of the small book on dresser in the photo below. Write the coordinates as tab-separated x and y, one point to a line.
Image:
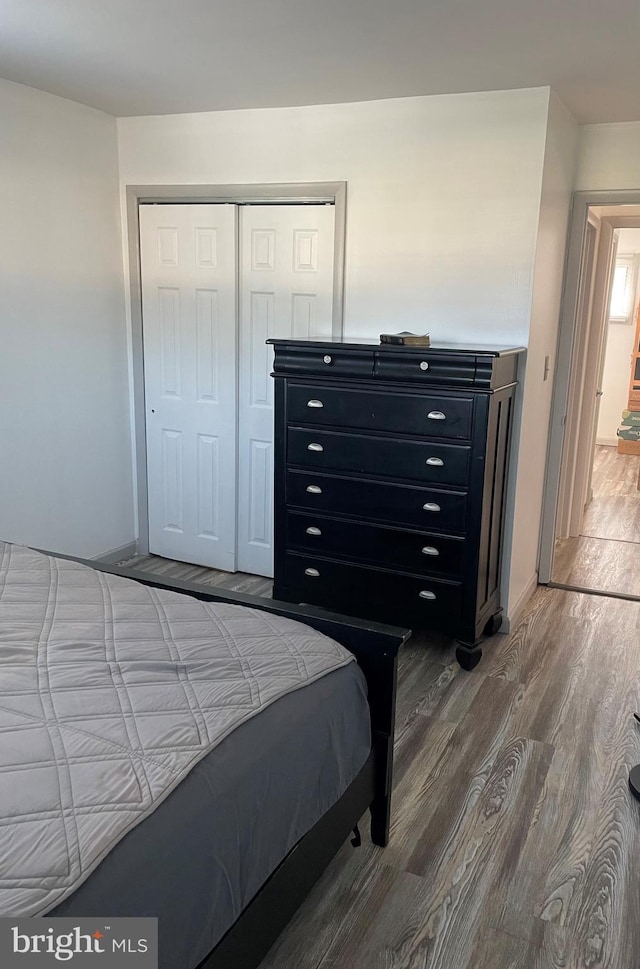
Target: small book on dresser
406	339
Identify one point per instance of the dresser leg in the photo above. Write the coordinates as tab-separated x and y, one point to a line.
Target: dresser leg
468	656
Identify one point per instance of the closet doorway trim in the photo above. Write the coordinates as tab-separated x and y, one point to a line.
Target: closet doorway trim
292	193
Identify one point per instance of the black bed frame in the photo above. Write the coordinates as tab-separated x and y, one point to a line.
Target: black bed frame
375	647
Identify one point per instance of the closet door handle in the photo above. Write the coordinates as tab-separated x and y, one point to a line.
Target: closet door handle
314	489
315	447
435	462
436	415
315	403
426	594
312	572
430	550
312	530
431	506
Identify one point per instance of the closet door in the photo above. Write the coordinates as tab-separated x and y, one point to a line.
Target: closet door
189	285
286	290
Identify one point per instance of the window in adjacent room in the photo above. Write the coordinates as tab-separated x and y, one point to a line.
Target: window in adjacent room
623	288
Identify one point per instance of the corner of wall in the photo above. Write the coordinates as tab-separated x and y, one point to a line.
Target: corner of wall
525	503
515	612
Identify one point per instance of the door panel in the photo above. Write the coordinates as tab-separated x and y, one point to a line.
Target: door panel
188	260
286	289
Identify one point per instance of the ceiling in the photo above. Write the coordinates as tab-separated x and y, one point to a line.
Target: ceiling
131	57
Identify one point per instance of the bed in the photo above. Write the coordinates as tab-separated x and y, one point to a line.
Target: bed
185	754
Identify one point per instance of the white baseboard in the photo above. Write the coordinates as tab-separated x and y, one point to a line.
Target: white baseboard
515	613
607	441
117	554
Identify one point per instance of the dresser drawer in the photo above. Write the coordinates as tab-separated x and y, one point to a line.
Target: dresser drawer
328	362
427	415
423	508
421	598
423	461
426	367
375	544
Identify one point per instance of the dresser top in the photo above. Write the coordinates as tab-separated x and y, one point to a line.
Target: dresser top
355	343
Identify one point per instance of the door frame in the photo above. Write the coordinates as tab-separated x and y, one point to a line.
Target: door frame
593	368
290	193
584	316
566	363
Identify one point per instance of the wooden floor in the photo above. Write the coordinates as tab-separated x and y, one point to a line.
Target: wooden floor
606	556
515	840
255	585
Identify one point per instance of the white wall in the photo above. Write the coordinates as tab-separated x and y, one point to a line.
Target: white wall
442	205
442	208
555	202
619	346
65	482
608	157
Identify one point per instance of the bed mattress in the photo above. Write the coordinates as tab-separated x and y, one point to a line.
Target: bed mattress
202	855
111	694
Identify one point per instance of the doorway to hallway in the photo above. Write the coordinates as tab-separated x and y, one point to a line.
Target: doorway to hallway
595	543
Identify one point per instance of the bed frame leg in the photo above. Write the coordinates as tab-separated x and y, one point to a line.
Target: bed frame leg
381	803
381	671
380	820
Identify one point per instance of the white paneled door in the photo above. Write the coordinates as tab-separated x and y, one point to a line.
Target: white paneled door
286	290
189	285
208	389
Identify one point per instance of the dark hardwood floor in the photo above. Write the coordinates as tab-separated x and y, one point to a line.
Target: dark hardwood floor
515	841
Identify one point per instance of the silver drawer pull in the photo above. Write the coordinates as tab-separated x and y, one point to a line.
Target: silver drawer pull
424	365
431	506
430	550
425	594
436	415
314	489
327	358
315	403
435	462
315	573
315	447
312	530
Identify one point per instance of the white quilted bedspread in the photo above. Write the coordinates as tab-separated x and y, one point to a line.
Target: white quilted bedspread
110	692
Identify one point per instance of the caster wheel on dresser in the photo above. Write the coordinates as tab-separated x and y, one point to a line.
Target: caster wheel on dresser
468	658
493	625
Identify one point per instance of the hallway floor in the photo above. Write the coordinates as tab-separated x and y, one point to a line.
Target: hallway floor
606	556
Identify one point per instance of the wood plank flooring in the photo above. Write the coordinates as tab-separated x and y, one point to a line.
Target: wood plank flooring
515	841
255	585
606	556
594	563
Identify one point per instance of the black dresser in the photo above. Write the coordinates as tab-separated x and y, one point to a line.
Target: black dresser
390	480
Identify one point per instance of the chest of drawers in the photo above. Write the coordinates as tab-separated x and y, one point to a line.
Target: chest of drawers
390	481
